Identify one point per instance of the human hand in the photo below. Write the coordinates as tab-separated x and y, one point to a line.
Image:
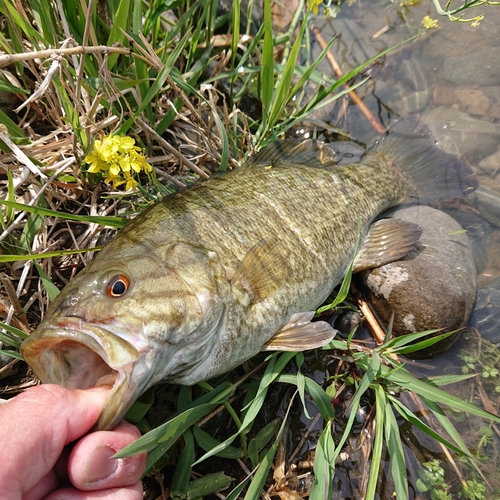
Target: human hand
36	428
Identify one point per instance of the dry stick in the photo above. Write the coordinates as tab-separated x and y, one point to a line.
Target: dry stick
14	300
377	331
338	72
172	150
214	140
7	59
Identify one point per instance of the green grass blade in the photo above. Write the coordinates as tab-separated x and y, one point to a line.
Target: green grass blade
260	476
378	442
206	442
182	472
157	84
324	465
283	95
168	433
121	21
52	290
395	447
57	253
12	354
110	221
15	331
408	415
320	397
267	75
407	381
370	374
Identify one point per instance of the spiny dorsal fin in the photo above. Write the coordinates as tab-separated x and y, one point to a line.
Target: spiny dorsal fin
292	152
263	270
300	334
388	240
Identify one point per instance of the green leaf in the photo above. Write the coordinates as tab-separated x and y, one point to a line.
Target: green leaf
15	331
324	465
369	376
182	472
378	442
207	485
157	85
407	381
207	442
120	23
267	77
117	222
52	290
395	447
320	397
57	253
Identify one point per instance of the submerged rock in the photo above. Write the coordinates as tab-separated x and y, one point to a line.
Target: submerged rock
457	132
482	69
434	286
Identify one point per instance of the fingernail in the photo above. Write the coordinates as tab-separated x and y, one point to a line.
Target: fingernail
100	465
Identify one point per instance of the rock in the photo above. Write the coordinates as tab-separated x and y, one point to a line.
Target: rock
432	287
473	101
413	102
482	69
444	95
457	132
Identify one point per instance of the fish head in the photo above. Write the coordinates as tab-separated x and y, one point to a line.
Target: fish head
131	322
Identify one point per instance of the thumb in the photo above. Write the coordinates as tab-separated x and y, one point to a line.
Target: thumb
49	418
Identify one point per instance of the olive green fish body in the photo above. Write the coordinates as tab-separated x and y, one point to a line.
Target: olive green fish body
205	279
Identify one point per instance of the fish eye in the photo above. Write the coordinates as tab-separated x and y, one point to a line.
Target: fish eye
117	285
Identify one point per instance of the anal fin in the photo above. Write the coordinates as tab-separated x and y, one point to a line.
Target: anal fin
300	334
388	240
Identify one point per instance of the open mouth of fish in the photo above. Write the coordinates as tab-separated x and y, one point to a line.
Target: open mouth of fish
77	355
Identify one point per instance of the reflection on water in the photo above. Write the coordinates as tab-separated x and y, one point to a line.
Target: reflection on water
450	77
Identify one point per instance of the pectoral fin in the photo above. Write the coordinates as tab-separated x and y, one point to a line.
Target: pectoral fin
300	334
388	240
262	271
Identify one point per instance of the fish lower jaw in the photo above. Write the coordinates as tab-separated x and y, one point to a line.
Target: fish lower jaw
69	363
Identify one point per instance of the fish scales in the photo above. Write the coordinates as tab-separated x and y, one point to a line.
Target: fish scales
205	279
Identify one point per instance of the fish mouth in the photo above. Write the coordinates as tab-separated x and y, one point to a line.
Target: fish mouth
77	355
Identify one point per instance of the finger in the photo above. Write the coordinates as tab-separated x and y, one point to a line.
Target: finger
90	466
133	492
49	417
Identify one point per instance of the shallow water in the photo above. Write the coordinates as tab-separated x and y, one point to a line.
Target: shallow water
450	78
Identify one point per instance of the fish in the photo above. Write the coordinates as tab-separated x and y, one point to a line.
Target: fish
213	274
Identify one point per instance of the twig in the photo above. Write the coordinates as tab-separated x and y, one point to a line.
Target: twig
172	150
377	331
14	300
338	72
7	59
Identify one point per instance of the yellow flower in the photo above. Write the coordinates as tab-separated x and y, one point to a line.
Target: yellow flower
429	23
476	21
119	159
313	5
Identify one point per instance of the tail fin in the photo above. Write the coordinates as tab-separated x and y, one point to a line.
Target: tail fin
432	174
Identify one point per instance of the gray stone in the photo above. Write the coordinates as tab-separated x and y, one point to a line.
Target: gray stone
434	286
482	69
459	133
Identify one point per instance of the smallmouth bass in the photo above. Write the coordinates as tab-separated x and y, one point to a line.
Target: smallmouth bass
211	275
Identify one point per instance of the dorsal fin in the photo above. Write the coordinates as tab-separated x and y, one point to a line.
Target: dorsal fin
293	152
